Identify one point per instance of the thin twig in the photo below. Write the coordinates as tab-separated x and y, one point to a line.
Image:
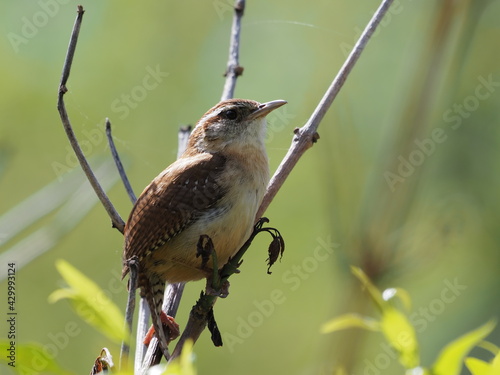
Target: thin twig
129	312
234	70
113	214
142	329
118	162
306	136
183	138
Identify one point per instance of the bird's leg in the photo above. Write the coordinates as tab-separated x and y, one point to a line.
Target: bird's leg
216	286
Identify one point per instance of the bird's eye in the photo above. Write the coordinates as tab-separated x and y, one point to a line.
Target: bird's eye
230	114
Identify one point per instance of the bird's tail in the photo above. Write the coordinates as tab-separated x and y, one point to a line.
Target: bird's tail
154	296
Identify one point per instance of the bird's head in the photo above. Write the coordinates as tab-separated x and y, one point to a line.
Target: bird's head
232	124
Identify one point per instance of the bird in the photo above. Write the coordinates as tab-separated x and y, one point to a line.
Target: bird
213	189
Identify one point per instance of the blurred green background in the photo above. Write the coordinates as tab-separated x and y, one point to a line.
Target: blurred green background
404	181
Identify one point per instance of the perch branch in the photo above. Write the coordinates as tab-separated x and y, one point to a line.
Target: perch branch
113	214
234	70
183	138
118	162
129	312
306	136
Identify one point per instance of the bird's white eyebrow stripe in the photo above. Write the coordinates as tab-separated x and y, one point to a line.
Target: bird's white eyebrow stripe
207	116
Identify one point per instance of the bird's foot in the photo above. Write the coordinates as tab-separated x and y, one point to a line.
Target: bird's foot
216	286
172	331
222	291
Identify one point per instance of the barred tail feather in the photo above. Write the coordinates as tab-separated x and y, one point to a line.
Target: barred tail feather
154	296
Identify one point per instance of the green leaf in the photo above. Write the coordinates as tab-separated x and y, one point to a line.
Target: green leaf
350	321
401	335
478	367
394	324
495	364
29	357
450	359
91	303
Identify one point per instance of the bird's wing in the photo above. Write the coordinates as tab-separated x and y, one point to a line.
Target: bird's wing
172	202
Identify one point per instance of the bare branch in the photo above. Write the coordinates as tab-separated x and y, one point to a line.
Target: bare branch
113	214
183	139
129	312
197	322
142	329
306	136
118	162
234	70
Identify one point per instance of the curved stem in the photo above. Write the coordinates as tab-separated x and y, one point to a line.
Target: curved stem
108	206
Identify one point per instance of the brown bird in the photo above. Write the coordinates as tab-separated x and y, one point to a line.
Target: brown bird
214	189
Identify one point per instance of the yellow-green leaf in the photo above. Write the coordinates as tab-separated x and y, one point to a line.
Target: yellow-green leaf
401	336
90	302
479	367
350	321
28	357
495	364
450	359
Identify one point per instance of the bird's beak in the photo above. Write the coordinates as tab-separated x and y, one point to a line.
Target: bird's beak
265	108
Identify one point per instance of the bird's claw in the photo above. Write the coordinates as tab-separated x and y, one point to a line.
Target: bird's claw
172	331
221	292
